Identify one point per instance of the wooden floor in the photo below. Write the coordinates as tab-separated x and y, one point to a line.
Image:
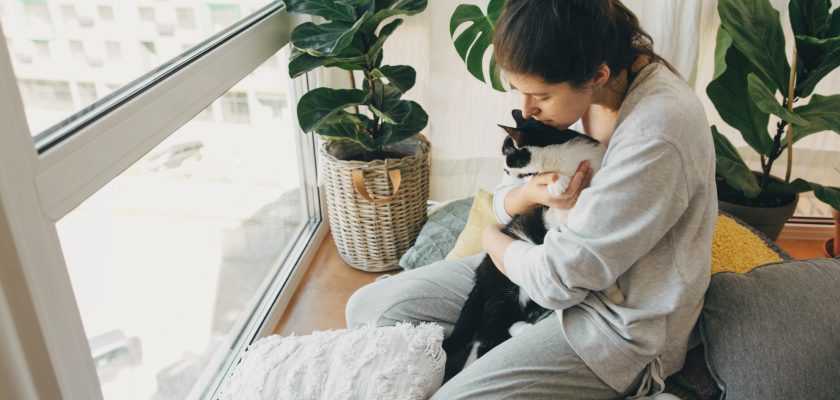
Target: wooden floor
329	282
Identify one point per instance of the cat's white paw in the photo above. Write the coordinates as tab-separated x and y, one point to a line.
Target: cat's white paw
518	327
558	187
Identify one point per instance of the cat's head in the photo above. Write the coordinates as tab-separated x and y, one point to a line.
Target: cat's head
528	140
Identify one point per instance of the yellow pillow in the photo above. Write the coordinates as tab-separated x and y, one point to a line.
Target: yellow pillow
734	247
481	215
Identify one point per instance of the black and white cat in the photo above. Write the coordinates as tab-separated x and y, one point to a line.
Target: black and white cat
496	308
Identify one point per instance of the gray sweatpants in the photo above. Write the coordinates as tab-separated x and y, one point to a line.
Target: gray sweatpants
536	364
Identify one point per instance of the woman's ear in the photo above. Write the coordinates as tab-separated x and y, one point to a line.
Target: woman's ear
602	75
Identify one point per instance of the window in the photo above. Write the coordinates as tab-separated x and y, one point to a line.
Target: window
235	108
147	14
87	93
157	244
42	49
186	18
167	30
47	95
68	14
114	51
77	50
106	13
201	218
37	12
275	103
223	15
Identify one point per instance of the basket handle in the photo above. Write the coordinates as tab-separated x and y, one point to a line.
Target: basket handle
359	184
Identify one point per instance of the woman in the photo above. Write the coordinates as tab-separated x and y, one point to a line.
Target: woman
645	221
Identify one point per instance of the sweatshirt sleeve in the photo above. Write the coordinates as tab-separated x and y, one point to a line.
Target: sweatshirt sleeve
507	184
632	202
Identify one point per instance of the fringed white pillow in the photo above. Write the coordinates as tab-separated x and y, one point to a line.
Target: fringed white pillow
390	363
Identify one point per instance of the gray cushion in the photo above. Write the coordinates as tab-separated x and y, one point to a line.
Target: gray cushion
774	333
438	236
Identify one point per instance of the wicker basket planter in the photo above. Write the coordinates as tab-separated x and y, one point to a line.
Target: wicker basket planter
376	208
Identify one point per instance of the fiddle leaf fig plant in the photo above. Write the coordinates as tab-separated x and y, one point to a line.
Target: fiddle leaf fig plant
351	39
473	42
754	82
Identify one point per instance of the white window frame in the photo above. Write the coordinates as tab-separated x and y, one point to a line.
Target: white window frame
44	352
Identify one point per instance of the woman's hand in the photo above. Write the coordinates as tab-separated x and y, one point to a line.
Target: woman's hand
541	189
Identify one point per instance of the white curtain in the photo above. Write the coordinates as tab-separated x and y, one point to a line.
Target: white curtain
463	112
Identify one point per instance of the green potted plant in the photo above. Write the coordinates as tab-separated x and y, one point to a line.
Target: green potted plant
376	166
753	82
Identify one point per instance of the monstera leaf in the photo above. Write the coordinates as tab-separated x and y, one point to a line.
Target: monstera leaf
472	43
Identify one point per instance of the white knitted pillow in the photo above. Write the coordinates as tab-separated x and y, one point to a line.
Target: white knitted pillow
368	363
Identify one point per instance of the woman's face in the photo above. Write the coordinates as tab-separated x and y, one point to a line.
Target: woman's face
555	104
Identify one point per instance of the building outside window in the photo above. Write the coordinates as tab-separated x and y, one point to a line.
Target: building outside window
114	51
106	13
47	95
185	17
87	93
42	49
235	108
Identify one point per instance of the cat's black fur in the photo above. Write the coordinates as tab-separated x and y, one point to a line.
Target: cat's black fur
494	303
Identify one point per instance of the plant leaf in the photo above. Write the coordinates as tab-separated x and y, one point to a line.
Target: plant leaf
384	101
809	17
416	120
818	57
373	54
329	9
325	39
346	126
822	113
401	76
472	44
351	58
834	27
827	194
319	104
729	93
757	33
391	8
732	168
766	101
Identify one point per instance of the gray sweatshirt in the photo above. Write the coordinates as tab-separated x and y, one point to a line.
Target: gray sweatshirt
645	221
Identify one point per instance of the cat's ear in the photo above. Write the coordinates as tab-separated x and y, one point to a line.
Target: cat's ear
515	135
518	117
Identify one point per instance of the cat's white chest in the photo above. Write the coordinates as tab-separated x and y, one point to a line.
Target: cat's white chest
554	217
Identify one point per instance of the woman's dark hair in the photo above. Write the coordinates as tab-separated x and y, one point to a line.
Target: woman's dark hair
568	40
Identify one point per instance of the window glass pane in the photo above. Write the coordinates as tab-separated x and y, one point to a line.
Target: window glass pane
87	92
107	42
170	259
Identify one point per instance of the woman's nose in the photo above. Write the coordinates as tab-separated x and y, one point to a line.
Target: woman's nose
528	108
